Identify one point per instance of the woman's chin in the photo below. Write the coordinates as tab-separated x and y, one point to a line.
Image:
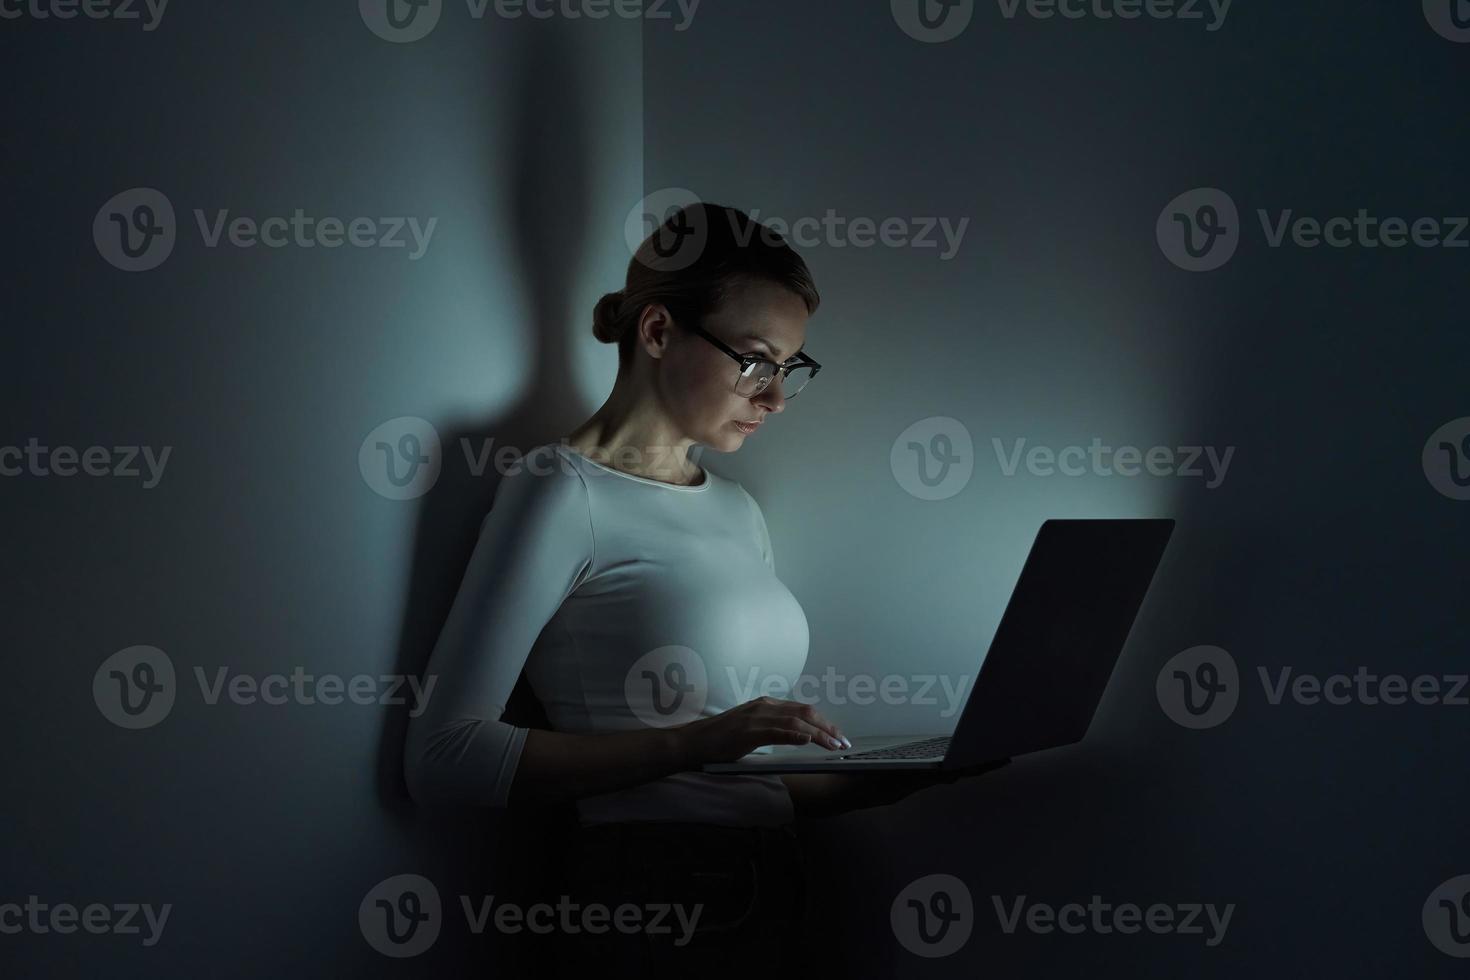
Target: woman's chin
730	439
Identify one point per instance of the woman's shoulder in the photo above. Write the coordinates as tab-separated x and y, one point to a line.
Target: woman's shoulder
547	473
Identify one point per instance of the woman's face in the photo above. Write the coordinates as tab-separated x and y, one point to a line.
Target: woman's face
699	379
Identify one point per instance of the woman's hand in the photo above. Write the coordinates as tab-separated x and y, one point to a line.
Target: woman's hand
746	727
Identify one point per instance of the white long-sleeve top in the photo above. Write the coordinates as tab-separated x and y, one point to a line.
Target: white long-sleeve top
630	603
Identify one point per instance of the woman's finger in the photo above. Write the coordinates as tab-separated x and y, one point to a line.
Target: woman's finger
821	736
781	735
811	716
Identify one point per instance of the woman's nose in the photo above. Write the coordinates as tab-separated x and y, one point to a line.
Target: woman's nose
773	398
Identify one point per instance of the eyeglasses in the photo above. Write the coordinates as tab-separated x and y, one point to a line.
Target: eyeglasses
757	372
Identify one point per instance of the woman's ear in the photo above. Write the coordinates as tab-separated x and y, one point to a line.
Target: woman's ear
655	327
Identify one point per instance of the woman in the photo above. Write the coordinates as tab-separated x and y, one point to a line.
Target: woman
638	593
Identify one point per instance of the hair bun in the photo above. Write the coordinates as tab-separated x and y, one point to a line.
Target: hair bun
606	316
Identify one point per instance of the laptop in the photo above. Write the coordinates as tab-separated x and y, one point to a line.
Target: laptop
1039	686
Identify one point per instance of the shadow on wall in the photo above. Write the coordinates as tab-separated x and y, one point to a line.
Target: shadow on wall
547	193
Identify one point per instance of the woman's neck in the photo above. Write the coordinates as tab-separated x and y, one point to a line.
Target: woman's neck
632	435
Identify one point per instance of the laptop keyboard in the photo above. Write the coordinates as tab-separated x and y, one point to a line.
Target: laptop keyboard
924	749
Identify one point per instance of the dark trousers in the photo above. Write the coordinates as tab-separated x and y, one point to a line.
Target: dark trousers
747	885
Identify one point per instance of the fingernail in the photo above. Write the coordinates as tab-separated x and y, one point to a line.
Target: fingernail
845	743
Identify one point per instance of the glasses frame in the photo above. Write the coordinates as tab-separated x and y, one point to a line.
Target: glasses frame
747	361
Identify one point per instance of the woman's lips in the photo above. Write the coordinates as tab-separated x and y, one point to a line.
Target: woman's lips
747	427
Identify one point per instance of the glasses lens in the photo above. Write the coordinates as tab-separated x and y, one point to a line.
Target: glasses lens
755	379
796	380
759	376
